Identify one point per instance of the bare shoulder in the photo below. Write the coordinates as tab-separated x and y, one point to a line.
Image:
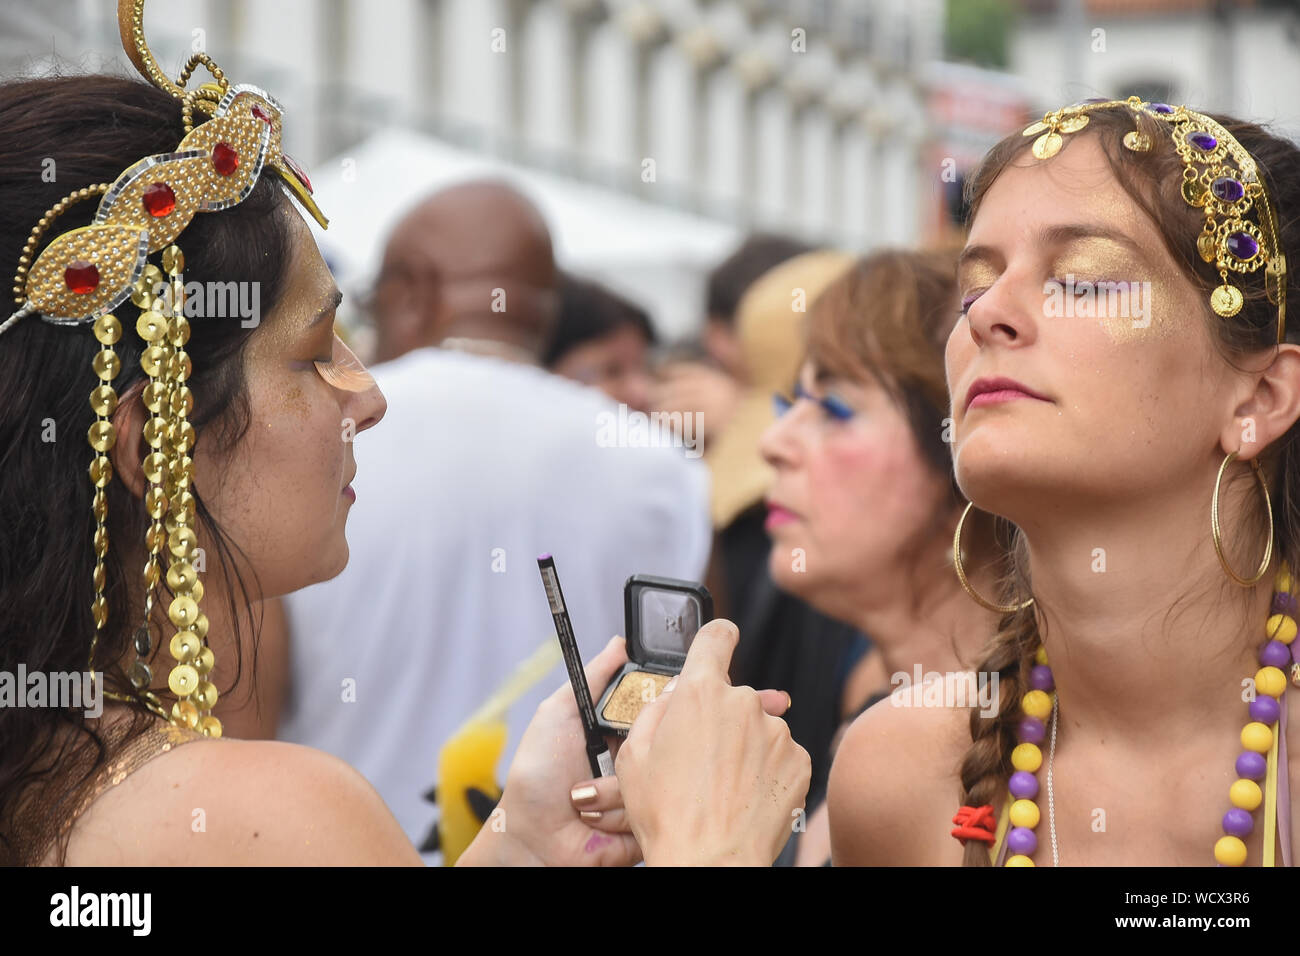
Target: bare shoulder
241	802
895	784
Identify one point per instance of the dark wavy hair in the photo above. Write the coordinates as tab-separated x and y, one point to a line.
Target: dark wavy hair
92	128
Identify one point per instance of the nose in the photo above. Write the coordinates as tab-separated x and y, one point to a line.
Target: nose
370	407
1007	314
780	443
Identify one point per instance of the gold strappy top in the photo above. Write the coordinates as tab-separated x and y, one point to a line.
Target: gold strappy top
35	843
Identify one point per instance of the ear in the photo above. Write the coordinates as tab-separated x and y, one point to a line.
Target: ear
129	448
1270	407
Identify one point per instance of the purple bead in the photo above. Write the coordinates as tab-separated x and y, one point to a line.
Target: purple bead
1227	189
1162	107
1238	822
1274	654
1023	785
1040	677
1202	140
1284	603
1022	840
1030	730
1265	709
1251	765
1242	245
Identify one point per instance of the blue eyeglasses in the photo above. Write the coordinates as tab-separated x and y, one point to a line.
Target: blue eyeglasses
833	406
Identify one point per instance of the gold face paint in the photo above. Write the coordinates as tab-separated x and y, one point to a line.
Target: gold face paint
1129	298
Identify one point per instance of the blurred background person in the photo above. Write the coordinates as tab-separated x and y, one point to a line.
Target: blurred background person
784	642
487	461
603	340
711	384
864	486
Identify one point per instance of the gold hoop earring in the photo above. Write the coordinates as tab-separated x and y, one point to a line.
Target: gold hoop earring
966	585
1217	535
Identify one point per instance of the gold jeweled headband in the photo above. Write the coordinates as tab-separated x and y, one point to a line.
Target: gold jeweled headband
86	272
1219	176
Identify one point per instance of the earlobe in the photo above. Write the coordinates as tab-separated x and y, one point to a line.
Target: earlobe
129	448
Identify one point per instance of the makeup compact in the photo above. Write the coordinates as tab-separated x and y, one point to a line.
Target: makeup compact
661	616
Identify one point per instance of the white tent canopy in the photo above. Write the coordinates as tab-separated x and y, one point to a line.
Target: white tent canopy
656	256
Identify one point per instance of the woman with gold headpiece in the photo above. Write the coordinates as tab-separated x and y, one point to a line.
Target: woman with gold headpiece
1125	392
168	464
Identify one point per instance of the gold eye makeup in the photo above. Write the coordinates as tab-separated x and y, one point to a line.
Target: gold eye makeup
1102	279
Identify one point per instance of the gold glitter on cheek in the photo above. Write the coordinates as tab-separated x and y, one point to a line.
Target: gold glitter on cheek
292	400
634	691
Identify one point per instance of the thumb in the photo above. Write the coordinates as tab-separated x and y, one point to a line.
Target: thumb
711	650
648	720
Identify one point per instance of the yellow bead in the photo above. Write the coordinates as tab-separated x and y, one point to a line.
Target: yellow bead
1024	813
182	542
181	576
1037	703
1283	581
1027	757
1257	737
1019	860
201	625
210	726
107	330
1040	656
102	436
103	400
204	662
1245	794
205	695
1271	681
1281	627
185	646
151	326
182	611
1230	851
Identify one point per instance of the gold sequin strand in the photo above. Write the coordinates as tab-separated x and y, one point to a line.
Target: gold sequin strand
196	694
103	401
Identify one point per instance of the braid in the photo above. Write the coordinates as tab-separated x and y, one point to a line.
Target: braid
986	767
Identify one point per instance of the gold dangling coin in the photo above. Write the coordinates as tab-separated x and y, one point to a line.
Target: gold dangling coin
1047	145
1137	141
1072	124
1194	192
1205	246
1226	300
210	726
1033	129
185	714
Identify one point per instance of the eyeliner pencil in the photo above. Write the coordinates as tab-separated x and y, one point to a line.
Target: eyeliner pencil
602	764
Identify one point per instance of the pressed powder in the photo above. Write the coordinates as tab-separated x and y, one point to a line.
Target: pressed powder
634	691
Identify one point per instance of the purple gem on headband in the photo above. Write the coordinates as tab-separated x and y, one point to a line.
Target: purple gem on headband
1242	245
1162	107
1040	678
1023	785
1284	603
1030	731
1202	140
1274	654
1251	765
1022	840
1227	189
1238	822
1265	709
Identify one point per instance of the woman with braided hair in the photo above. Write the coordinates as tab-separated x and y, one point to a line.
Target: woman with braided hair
1125	391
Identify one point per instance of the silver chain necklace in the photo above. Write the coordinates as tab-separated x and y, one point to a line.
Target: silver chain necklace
1051	803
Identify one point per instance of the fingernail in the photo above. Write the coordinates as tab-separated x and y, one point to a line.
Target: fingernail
590	814
582	794
669	686
788	701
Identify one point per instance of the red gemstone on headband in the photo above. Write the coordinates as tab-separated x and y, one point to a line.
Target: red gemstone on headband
261	114
81	276
159	200
224	158
296	170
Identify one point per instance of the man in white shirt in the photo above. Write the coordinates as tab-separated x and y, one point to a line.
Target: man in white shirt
482	463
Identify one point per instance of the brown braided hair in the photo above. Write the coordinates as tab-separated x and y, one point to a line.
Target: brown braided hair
1153	179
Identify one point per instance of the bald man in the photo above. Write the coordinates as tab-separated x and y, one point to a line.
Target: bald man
483	461
472	263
